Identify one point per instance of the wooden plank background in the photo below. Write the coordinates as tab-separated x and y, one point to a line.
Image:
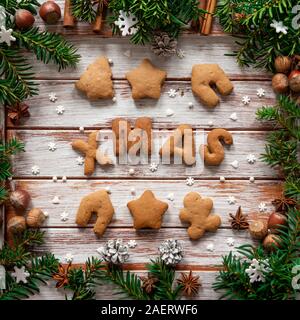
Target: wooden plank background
46	126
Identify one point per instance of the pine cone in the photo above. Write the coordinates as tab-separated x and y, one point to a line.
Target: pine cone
163	45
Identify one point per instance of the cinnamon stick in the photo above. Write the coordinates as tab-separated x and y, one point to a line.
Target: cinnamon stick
98	22
202	5
207	24
69	20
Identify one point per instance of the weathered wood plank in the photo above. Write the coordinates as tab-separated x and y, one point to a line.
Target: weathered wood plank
197	50
81	112
82	243
108	292
62	162
70	193
2	139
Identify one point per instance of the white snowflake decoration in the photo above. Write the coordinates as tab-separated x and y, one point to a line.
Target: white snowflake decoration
51	146
132	244
191	105
169	112
52	96
133	191
234	164
231	200
233	116
246	100
262	207
20	274
171	196
153	167
60	110
131	171
55	200
210	123
180	53
54	178
126	22
260	92
279	27
64	216
230	242
251	158
81	129
64	179
252	179
257	270
210	247
172	93
108	189
190	181
35	170
80	161
69	257
6	36
222	179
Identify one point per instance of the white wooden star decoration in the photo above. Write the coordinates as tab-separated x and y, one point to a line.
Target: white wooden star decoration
6	36
20	274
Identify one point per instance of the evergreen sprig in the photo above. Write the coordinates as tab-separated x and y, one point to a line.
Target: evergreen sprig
234	282
161	15
250	22
84	10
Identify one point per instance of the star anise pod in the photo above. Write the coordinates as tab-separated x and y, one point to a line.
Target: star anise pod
148	283
62	276
190	284
18	111
282	204
238	221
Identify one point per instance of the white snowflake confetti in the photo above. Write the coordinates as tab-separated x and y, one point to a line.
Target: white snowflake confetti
6	35
60	110
114	99
54	178
126	22
171	196
51	146
231	200
234	164
172	93
52	96
132	244
191	105
81	129
55	200
64	179
257	270
110	61
233	116
222	179
108	190
169	112
230	242
80	161
262	207
153	167
260	92
20	274
210	247
252	179
69	257
251	158
246	100
133	191
131	171
279	27
210	123
180	53
35	170
64	216
190	181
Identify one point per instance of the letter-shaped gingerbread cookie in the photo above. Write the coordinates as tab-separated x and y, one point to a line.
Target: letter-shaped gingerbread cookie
213	152
97	202
196	211
181	144
203	76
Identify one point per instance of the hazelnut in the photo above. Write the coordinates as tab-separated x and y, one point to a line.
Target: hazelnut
35	218
16	224
276	220
280	83
258	229
294	80
271	241
283	64
50	12
19	199
24	19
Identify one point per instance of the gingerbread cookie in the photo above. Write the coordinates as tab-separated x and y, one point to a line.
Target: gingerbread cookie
196	211
138	139
147	211
97	202
213	152
203	76
96	81
146	80
92	152
181	144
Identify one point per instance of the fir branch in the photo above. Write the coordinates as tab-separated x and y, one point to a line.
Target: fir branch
84	10
48	47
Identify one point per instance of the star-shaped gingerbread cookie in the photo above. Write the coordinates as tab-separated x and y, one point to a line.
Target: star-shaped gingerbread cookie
146	80
147	211
96	81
